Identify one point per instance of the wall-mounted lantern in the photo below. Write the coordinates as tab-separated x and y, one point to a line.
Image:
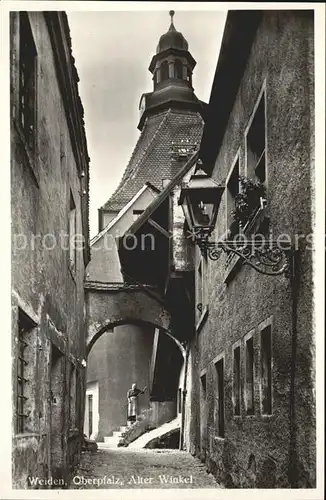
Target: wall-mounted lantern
200	199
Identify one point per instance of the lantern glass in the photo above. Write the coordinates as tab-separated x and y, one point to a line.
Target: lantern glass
201	212
200	200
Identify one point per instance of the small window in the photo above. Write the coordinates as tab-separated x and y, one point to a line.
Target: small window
136	214
72	233
25	372
178	69
164	70
201	287
189	76
256	144
203	387
232	190
203	406
27	82
236	381
266	370
249	380
72	400
179	400
78	395
220	398
90	414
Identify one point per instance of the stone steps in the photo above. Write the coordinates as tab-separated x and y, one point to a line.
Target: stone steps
112	441
155	433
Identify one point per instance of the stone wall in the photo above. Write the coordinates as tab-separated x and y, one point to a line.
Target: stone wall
47	291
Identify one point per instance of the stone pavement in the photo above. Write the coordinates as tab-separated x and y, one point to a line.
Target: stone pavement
142	468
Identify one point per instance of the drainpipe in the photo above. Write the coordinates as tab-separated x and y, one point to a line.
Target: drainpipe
184	393
293	456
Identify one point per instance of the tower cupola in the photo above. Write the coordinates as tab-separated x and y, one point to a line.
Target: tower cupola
172	38
172	67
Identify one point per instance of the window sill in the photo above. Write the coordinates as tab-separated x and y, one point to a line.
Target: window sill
219	438
202	320
30	157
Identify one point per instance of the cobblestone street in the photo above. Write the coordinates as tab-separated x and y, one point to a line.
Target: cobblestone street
123	468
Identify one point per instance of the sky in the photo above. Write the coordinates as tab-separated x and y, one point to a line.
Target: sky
112	51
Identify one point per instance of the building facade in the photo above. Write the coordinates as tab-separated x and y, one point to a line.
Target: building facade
50	249
248	408
255	333
132	348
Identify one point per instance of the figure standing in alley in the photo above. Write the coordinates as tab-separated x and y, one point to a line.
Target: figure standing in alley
132	396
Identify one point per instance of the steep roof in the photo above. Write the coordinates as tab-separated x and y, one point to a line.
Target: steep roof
151	159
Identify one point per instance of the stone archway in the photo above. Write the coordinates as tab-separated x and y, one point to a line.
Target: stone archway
116	304
116	307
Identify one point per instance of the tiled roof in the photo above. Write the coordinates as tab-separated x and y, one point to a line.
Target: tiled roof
151	159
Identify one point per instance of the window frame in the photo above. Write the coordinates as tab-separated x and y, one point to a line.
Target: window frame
202	284
236	161
24	422
262	95
30	153
72	216
164	71
220	357
249	336
236	346
203	404
267	323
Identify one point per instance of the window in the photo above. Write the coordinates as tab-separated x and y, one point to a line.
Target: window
90	415
136	214
179	400
72	400
256	144
220	398
266	370
203	387
236	381
189	76
25	372
57	391
72	233
164	71
78	395
249	379
232	190
178	69
201	291
203	409
27	82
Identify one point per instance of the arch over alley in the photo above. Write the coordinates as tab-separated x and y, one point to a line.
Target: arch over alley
114	304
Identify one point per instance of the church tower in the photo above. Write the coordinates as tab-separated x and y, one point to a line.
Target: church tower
170	125
170	114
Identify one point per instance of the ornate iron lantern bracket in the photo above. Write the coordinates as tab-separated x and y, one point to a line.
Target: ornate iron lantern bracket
266	257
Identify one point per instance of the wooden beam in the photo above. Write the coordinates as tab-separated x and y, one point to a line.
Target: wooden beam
160	228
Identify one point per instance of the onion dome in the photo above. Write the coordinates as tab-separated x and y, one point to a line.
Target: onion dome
172	39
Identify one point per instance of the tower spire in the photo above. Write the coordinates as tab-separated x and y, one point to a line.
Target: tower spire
172	28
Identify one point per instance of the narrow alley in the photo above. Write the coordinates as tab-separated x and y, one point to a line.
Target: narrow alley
140	468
